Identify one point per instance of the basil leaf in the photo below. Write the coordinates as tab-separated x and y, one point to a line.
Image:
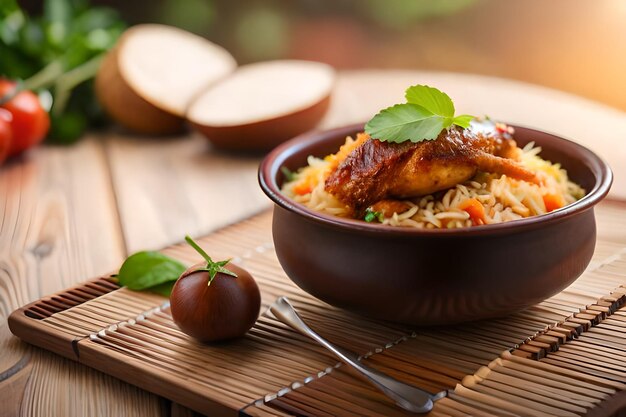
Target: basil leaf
431	99
164	289
147	269
406	122
463	120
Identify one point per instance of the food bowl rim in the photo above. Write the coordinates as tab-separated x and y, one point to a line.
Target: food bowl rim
274	160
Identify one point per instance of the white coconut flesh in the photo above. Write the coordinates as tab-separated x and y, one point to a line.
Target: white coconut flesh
262	91
168	66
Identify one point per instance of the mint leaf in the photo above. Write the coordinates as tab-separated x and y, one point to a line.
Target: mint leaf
463	120
427	112
146	269
431	99
406	122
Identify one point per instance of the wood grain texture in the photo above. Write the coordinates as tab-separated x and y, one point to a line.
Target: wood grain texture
59	221
58	225
169	187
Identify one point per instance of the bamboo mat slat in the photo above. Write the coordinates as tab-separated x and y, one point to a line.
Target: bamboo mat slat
561	357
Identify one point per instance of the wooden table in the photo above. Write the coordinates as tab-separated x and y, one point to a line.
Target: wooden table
72	213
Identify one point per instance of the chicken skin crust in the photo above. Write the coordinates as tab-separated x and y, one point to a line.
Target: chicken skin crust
379	170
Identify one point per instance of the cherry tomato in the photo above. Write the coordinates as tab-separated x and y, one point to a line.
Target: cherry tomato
30	122
6	135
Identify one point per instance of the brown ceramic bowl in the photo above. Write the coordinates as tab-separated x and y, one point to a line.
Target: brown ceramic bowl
426	277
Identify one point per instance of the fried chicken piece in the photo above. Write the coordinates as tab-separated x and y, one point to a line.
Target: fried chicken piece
378	170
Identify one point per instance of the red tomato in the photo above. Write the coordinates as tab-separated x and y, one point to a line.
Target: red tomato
30	122
5	133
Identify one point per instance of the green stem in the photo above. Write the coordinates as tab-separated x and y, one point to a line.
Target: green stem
66	82
81	73
45	77
199	250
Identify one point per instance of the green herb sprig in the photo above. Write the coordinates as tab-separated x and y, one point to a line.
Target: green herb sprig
427	112
150	271
371	215
289	174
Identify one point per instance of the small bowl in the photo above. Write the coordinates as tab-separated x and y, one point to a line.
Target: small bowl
429	277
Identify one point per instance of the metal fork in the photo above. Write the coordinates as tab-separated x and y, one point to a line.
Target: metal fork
406	396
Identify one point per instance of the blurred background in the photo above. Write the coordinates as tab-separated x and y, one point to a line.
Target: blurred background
577	46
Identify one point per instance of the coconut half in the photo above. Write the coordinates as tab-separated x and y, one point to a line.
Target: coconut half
148	79
263	104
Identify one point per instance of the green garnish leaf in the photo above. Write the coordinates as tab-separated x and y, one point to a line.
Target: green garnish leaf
371	215
289	174
212	267
144	270
427	112
164	289
431	99
463	120
404	122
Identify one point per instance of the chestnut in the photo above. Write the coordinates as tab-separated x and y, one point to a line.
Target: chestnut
214	301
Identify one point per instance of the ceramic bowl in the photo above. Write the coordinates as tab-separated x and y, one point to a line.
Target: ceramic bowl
428	277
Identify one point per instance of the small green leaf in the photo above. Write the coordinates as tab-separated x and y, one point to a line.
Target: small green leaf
406	122
431	99
371	215
164	289
427	113
227	272
463	120
289	175
213	270
147	269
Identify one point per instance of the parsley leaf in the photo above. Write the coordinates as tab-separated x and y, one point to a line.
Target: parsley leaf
427	112
371	215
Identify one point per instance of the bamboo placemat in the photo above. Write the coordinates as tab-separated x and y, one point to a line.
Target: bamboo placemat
564	356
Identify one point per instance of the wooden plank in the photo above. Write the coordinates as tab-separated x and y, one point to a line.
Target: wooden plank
170	187
58	226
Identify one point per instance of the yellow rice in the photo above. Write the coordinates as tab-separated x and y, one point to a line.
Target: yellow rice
502	198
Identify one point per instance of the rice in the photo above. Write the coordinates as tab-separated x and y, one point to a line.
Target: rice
501	198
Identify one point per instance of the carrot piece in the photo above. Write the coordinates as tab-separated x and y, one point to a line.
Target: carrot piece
553	201
475	209
303	188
